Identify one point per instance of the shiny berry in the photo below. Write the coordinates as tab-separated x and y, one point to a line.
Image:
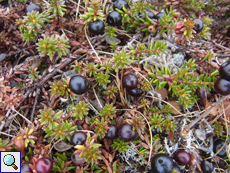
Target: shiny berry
112	132
33	7
44	165
217	145
198	25
162	163
159	15
126	133
222	86
19	143
136	92
78	84
119	4
77	160
150	14
179	25
224	71
206	166
96	27
114	18
182	157
129	81
25	168
78	138
200	14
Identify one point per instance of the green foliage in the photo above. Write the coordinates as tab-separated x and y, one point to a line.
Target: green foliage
47	116
218	128
33	73
107	66
111	91
110	31
50	45
2	145
121	60
184	83
94	13
60	88
166	109
62	164
101	128
80	110
158	121
102	79
31	25
56	7
209	55
90	153
60	130
91	69
108	111
120	145
194	5
167	21
153	48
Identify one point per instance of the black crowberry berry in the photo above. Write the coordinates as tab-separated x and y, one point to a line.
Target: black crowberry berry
96	27
162	163
119	4
198	25
222	86
78	84
224	71
114	18
34	7
126	133
129	81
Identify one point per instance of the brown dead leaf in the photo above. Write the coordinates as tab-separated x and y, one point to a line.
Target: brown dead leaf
2	113
163	92
74	43
176	105
80	51
170	135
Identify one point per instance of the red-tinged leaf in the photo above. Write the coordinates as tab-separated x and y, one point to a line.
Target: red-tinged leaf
143	144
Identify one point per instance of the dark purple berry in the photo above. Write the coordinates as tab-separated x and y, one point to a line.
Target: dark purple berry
198	25
201	92
129	81
112	132
162	163
217	145
126	133
119	4
44	165
77	160
150	14
136	92
224	71
78	138
96	27
25	168
78	84
33	7
159	15
114	18
222	86
182	157
206	166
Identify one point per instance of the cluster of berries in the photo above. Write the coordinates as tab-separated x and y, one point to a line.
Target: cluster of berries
222	85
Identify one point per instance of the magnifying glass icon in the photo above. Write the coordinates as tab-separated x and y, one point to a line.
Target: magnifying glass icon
9	160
